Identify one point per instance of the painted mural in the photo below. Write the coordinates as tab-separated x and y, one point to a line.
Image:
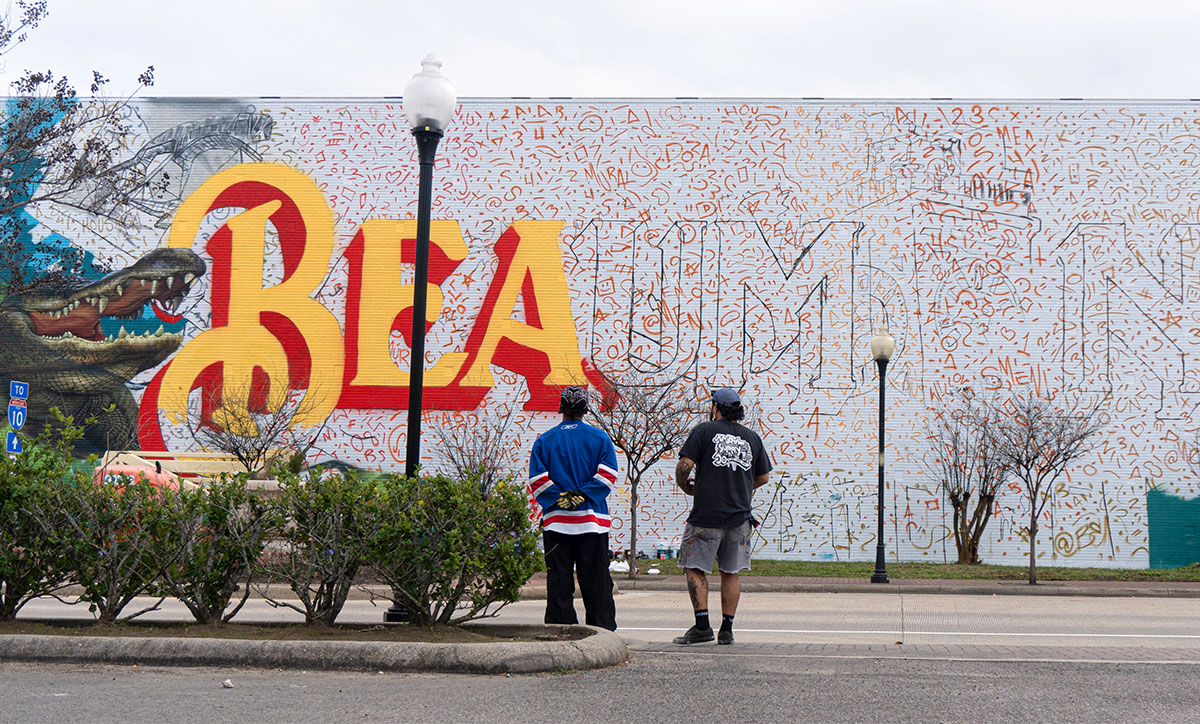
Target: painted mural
1051	246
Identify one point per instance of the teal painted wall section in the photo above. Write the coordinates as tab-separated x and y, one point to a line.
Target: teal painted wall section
1174	529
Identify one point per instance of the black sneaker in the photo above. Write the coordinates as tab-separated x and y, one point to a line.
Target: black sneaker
724	637
695	636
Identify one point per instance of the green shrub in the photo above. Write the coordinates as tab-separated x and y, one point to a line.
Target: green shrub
31	563
450	551
320	541
120	535
222	528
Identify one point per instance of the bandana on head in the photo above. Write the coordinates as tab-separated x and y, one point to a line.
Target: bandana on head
574	398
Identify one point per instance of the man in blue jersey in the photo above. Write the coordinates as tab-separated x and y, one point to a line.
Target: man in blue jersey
730	464
572	470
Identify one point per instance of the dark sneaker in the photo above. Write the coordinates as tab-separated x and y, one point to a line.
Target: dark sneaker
724	637
695	636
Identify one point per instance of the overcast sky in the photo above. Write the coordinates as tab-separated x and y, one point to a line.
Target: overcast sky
639	48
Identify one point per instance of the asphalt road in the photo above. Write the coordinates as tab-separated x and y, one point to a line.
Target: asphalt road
798	657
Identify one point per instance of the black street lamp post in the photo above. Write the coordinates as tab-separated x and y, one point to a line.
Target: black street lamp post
882	346
429	102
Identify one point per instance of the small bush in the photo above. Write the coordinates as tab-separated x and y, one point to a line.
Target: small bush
450	552
222	528
31	563
119	536
320	539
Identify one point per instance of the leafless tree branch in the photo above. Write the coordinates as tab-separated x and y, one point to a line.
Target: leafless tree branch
479	445
966	464
648	416
1036	441
258	428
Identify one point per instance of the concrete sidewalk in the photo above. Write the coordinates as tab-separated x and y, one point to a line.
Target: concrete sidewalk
536	587
601	649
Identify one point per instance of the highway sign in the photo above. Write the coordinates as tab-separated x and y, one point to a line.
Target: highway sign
19	390
13	444
16	416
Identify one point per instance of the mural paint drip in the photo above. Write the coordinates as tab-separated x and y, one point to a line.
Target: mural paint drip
755	244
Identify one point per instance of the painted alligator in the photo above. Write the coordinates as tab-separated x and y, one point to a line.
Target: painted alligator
70	343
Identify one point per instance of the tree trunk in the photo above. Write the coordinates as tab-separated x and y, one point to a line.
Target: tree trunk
1033	544
960	528
633	501
979	521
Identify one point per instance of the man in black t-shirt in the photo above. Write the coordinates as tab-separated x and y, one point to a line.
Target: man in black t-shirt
730	463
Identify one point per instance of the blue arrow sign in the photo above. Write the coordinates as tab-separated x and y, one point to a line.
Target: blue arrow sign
13	444
16	416
18	390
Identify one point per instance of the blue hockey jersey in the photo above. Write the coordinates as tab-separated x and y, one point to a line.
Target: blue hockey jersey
573	456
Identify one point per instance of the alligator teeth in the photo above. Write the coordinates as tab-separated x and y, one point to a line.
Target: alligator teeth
170	282
67	335
158	332
153	286
142	282
122	334
103	304
120	290
187	278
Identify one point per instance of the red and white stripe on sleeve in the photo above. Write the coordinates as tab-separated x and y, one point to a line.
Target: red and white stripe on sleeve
539	483
606	475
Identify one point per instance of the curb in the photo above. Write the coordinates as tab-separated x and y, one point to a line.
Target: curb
598	648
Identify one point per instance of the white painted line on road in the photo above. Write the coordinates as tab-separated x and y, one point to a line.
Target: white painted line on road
691	651
939	633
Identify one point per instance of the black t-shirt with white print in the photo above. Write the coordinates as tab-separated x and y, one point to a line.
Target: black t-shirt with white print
728	457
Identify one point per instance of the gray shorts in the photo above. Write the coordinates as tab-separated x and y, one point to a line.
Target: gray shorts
729	547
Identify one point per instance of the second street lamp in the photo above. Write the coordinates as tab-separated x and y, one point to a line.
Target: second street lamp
882	346
429	102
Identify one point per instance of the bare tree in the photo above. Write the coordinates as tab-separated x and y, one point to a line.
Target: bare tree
480	446
966	464
56	147
1036	442
648	416
257	425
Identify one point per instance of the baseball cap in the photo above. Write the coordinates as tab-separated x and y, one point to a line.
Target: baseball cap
574	399
726	397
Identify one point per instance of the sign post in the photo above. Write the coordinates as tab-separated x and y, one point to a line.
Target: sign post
18	393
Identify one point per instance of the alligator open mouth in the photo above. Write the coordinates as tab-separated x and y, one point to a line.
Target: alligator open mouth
98	313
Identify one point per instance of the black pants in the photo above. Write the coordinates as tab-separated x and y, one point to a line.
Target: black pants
585	554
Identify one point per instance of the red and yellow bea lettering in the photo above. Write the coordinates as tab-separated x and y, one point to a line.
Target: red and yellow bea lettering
543	349
281	339
263	339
